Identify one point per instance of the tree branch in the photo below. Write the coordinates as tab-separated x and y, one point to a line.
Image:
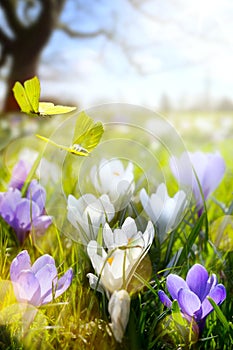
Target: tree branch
60	4
83	35
4	39
6	45
9	10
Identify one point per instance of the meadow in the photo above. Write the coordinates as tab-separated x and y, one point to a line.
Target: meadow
117	231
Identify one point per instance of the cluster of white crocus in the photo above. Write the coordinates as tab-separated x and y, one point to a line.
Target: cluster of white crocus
122	249
115	186
111	178
164	211
115	266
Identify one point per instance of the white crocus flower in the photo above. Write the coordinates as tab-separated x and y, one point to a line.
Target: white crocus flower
119	309
164	211
116	265
111	178
127	235
88	213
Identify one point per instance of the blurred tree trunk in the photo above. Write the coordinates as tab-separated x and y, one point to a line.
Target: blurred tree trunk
25	47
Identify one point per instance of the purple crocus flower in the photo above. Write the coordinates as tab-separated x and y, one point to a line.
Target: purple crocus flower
25	214
209	168
37	284
192	294
19	174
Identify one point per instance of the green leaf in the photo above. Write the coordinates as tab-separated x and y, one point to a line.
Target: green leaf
176	314
219	313
190	241
100	235
221	233
31	173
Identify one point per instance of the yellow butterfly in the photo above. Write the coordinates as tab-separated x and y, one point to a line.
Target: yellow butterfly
28	95
87	135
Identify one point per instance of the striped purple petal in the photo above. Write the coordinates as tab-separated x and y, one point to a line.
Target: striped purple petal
174	284
218	294
189	303
196	279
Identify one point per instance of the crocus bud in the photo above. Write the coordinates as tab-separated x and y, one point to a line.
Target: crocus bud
119	308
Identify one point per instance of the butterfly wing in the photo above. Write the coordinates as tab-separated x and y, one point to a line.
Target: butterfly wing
90	139
32	89
48	108
87	133
83	123
68	149
22	98
28	97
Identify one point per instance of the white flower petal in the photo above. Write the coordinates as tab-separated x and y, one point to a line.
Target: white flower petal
112	179
119	310
129	227
95	283
164	211
108	236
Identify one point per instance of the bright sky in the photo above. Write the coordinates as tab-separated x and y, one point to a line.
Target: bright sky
181	48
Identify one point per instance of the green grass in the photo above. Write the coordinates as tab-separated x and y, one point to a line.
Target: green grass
79	318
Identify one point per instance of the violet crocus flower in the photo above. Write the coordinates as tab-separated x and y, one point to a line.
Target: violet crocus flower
19	174
37	284
25	214
209	168
192	293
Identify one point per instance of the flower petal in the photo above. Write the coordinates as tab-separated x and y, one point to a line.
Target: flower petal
95	283
46	277
182	170
41	262
92	248
211	283
120	238
96	260
212	177
147	206
108	236
189	303
119	309
64	283
197	278
25	212
218	294
174	284
27	288
41	223
129	227
37	194
107	206
9	201
19	174
148	235
21	262
164	298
